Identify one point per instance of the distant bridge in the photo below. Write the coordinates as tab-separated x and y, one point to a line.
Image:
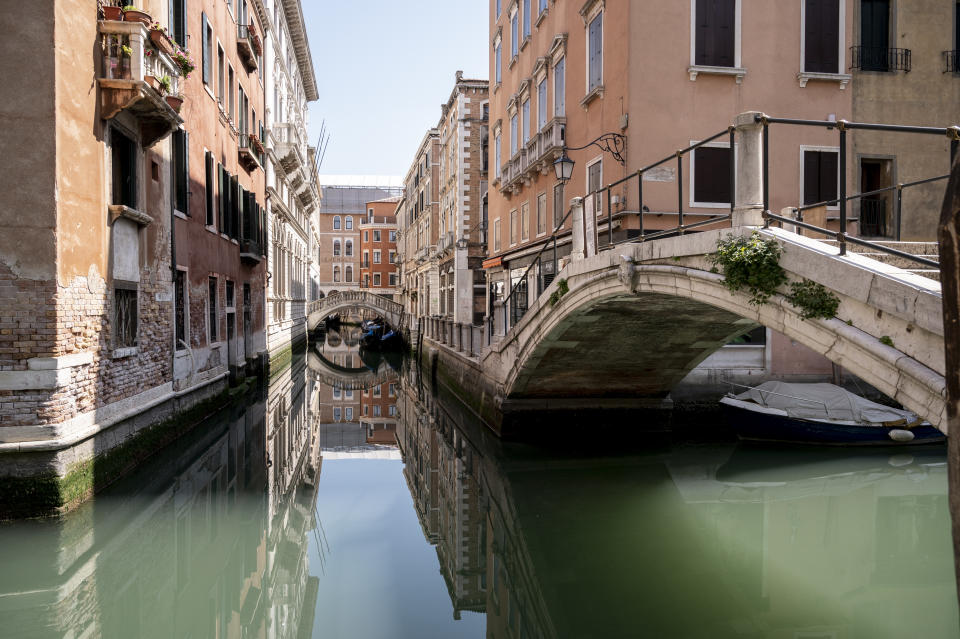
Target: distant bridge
347	301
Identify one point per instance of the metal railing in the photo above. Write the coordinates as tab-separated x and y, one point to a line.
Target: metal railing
951	61
880	58
842	126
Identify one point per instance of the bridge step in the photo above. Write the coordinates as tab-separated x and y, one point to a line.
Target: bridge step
928	250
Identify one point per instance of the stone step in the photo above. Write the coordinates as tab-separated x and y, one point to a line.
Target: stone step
928	250
897	261
933	274
914	248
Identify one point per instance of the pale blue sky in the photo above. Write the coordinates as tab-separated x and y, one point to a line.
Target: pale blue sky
383	68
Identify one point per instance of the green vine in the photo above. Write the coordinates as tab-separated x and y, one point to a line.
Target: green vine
750	263
813	300
887	340
562	289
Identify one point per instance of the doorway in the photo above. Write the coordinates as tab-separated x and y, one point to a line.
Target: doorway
877	214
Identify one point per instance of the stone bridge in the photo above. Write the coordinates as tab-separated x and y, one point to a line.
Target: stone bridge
390	311
639	317
336	376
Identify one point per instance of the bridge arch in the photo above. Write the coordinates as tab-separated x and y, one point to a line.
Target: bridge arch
346	301
649	324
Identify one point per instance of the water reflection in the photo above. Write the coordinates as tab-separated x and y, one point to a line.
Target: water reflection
386	509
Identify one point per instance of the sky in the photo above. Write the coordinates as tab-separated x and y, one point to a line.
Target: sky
383	69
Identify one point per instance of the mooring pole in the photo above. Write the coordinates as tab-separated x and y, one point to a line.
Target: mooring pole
948	236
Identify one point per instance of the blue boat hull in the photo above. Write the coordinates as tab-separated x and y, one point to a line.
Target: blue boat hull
749	425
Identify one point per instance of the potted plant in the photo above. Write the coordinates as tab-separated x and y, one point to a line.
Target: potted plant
165	84
161	39
111	12
132	14
175	101
153	81
184	61
255	143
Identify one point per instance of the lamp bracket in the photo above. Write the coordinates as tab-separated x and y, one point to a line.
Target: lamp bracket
613	143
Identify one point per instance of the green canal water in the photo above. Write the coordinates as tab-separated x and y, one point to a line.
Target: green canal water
282	517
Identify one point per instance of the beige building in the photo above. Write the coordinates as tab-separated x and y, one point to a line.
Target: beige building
420	229
462	185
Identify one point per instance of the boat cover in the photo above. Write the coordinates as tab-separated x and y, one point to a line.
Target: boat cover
826	401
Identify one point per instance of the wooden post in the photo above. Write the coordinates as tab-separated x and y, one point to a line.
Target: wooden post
948	236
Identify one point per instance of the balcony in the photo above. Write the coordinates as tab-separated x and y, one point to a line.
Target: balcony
248	46
250	251
130	80
880	59
249	152
951	61
287	145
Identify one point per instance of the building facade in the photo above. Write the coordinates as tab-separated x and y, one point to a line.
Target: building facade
292	195
378	248
462	184
420	233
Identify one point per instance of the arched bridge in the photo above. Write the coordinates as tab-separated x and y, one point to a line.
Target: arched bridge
336	376
648	313
345	301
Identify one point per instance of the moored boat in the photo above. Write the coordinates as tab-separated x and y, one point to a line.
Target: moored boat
822	414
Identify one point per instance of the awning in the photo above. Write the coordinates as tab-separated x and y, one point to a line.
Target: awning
493	262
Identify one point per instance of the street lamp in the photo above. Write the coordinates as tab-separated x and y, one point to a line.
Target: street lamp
612	143
563	166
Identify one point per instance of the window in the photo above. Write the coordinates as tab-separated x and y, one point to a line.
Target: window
232	99
376	256
711	175
558	211
498	8
542	104
376	236
525	221
874	32
559	99
348	248
348	273
366	236
821	35
526	120
125	315
336	411
498	57
496	156
123	155
392	236
231	300
496	235
207	47
336	248
178	21
210	186
542	6
527	18
391	390
541	214
180	309
365	262
377	391
514	39
180	171
212	308
513	135
336	273
513	227
348	413
336	222
595	53
376	410
595	176
393	279
392	410
715	33
820	175
392	258
366	281
348	223
376	279
221	75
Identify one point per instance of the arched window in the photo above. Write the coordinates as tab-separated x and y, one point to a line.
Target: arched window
349	222
336	273
348	247
336	248
336	222
348	274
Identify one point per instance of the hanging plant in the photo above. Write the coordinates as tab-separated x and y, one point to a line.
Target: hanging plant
814	300
751	264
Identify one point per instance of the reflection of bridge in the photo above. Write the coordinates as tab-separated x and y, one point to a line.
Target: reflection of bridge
346	301
336	376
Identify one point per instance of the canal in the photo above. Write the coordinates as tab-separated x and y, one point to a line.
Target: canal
381	508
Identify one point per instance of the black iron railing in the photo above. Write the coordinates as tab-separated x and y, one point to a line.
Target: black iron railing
880	59
873	217
951	61
842	200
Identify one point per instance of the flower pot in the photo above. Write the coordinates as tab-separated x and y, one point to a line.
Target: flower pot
113	13
175	102
161	41
154	83
135	15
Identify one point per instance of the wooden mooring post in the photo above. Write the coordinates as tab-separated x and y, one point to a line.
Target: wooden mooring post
948	236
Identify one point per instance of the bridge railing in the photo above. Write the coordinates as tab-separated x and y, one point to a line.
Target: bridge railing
468	339
843	235
356	297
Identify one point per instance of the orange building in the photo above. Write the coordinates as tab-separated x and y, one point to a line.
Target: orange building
378	248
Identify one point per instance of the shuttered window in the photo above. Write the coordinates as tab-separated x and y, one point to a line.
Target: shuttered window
596	52
874	35
715	33
820	172
234	208
711	179
178	21
821	36
180	171
210	186
207	52
222	209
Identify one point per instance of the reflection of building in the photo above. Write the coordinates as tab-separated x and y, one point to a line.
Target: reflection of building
335	404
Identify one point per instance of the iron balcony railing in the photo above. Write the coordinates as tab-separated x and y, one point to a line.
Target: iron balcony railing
880	58
951	61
